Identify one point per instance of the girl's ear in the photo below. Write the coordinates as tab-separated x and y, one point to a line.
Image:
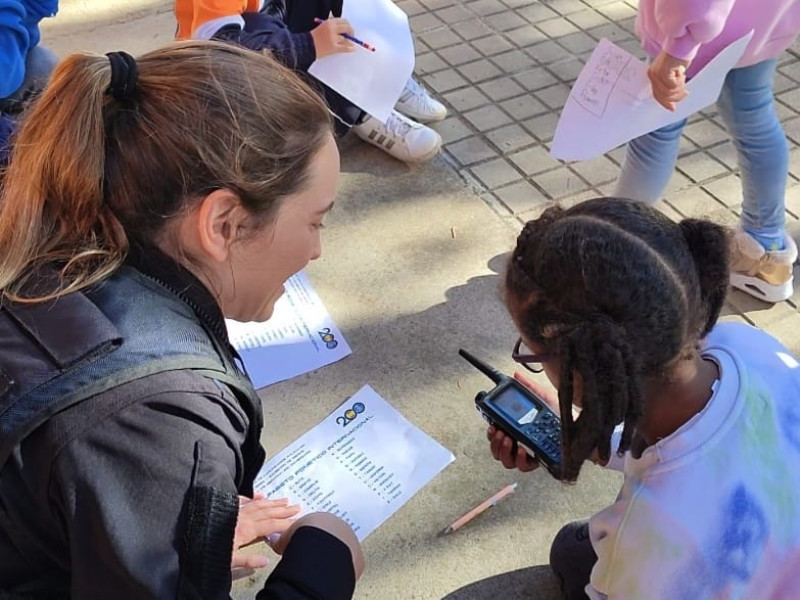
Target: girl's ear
218	218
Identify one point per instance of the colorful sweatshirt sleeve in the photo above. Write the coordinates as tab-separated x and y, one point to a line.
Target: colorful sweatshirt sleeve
14	44
690	23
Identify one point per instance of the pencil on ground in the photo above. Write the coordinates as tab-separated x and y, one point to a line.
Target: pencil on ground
481	508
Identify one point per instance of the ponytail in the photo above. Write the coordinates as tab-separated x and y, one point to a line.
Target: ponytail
51	208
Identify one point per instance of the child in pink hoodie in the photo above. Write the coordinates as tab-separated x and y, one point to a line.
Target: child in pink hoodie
682	36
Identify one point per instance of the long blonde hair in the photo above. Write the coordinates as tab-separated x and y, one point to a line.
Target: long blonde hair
88	173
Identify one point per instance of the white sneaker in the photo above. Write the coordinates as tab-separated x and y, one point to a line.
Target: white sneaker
417	103
762	274
401	137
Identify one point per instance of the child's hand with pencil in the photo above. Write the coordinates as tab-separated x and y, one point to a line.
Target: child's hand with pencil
330	37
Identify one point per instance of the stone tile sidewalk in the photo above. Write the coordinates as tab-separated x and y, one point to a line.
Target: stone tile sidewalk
504	69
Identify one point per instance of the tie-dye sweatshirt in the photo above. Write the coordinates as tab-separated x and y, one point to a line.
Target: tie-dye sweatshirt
698	30
713	511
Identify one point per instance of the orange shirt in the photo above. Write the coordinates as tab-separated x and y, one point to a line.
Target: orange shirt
193	14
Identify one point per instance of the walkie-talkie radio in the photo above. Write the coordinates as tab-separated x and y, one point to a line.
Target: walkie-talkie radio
520	414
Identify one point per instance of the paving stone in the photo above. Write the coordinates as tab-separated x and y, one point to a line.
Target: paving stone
701	167
519	3
440	38
454	14
471	150
610	31
472	30
556	28
543	126
522	197
578	43
459	54
513	62
466	99
485	7
486	118
437	4
478	71
792	129
452	129
694	202
411	7
597	171
726	154
546	52
444	81
523	107
496	173
491	45
534	161
793	201
505	21
554	96
566	7
567	70
587	18
727	190
560	183
501	89
536	13
511	137
526	36
429	63
423	22
759	313
538	78
705	133
617	11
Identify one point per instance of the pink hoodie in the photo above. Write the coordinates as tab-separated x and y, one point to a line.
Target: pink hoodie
698	30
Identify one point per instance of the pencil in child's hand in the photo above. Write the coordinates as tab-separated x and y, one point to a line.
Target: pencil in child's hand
353	39
481	508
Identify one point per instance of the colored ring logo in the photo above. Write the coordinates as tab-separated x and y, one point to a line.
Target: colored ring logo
350	414
328	338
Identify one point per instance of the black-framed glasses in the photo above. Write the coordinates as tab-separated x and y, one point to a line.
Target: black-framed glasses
532	362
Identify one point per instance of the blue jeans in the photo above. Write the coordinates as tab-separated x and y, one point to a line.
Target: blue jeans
39	63
747	107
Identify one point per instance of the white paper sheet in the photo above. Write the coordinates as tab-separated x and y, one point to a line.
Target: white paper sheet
612	103
372	81
300	337
362	463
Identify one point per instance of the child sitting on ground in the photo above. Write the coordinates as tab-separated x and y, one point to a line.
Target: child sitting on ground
287	28
618	305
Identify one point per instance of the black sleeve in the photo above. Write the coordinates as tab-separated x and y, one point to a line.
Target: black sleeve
315	566
295	50
145	485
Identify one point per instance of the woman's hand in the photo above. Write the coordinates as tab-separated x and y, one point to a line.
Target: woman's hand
258	519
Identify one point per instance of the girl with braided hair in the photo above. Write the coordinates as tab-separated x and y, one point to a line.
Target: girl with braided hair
618	305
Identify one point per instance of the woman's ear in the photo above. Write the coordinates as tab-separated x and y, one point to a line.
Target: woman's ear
219	216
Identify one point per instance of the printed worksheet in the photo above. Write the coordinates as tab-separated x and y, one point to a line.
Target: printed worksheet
300	337
612	103
362	463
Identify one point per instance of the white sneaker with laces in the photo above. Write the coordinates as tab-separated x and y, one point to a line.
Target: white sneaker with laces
400	137
417	103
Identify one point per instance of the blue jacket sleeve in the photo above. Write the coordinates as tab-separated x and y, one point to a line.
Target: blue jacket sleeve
295	50
6	129
14	44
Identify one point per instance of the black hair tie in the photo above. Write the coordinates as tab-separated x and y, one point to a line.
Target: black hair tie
124	76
